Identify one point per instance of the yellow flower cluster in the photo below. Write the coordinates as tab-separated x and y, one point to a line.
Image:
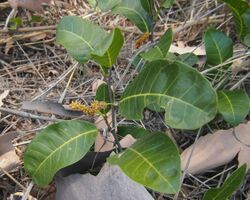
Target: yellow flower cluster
91	110
142	39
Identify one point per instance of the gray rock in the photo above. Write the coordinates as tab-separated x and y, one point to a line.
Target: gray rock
111	183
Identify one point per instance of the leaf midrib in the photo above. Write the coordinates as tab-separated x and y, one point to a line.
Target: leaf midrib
153	167
217	47
230	105
163	95
239	17
144	22
222	189
81	38
61	146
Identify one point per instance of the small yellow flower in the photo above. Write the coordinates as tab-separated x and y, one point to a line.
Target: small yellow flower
142	39
98	105
91	110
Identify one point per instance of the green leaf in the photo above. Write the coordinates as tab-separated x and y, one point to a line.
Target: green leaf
240	10
233	105
146	4
106	5
36	18
152	161
247	40
230	185
134	11
187	97
15	23
219	47
102	94
161	49
57	146
92	3
188	58
85	40
137	11
135	131
111	54
167	3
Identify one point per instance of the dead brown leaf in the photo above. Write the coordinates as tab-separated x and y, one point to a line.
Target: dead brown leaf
38	37
2	97
219	148
199	51
50	107
127	141
34	5
8	157
8	46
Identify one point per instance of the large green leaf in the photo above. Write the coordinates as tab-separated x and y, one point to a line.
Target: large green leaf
187	97
152	161
57	146
111	54
85	40
134	11
241	12
161	49
146	4
219	47
106	5
137	11
230	185
233	105
189	58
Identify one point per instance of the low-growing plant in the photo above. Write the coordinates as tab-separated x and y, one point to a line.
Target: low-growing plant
189	98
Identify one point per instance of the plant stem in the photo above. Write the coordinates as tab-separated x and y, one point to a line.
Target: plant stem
113	111
151	37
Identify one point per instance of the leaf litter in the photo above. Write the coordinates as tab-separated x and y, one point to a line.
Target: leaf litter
217	149
40	58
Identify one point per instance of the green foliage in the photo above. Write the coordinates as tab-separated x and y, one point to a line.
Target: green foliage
57	146
233	105
241	12
188	58
152	161
247	40
102	94
135	131
111	54
146	4
167	83
106	5
230	185
187	97
92	2
167	3
131	9
219	47
134	11
161	49
85	40
36	19
15	23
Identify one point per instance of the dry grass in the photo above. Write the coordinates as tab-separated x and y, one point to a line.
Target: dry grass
33	66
